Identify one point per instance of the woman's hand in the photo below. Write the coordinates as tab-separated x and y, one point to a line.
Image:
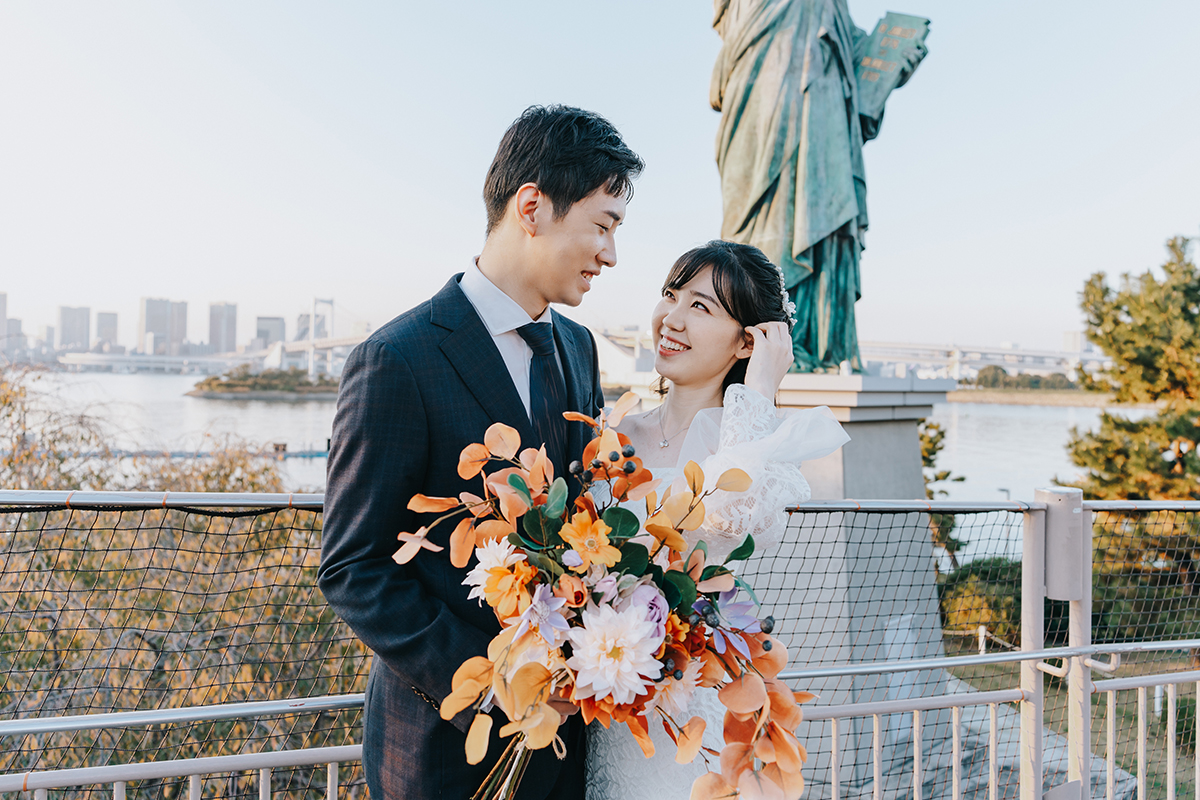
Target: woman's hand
770	357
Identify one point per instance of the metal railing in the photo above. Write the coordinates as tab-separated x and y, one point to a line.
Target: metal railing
1056	529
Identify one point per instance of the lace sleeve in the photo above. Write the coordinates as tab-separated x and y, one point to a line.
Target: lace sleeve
769	446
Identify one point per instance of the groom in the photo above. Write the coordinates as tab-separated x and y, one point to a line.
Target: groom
486	348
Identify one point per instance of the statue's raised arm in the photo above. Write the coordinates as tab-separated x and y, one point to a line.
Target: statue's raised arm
797	100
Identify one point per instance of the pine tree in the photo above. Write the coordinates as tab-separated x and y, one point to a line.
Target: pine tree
1150	328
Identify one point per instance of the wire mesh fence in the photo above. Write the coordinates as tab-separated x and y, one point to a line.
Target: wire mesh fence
120	609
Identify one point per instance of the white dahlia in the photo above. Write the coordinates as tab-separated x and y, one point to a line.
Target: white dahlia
613	654
492	554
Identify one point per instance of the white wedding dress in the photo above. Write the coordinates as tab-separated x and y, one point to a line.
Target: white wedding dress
751	434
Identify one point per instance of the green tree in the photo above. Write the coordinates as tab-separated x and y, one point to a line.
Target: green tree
1149	328
941	526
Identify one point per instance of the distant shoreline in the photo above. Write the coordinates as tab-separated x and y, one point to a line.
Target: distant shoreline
269	396
1038	397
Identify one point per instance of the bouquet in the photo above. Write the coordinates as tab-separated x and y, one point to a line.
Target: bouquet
620	618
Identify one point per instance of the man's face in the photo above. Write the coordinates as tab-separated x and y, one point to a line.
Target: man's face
570	252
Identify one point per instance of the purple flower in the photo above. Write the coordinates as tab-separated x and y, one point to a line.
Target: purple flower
650	600
572	559
544	617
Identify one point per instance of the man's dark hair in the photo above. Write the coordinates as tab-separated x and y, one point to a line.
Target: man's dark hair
567	152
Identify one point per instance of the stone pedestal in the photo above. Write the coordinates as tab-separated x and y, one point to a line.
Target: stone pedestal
848	588
882	460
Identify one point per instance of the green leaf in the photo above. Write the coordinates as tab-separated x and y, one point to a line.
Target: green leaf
518	483
712	570
743	550
540	530
624	523
545	563
739	582
672	593
556	499
686	587
634	559
516	540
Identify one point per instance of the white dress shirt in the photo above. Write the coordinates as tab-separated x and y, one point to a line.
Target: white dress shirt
502	316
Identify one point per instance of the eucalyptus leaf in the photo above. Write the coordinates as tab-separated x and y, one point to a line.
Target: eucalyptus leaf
634	559
749	591
518	483
686	587
556	499
539	530
742	551
712	570
623	522
672	593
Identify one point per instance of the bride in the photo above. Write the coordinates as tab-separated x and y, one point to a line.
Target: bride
722	336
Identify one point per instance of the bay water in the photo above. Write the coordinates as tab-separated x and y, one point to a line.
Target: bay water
1004	451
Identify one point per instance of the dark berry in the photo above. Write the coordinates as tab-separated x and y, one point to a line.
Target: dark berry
629	468
669	665
597	463
767	625
575	468
693	618
678	674
586	476
614	456
767	645
628	451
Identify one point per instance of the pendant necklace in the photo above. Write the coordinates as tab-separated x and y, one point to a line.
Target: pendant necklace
666	440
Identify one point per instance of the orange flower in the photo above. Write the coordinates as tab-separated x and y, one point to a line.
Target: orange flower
506	589
589	538
571	589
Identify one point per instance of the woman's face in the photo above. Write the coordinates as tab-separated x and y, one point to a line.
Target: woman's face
696	341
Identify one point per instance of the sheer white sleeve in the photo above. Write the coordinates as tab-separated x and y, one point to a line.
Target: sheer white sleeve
750	434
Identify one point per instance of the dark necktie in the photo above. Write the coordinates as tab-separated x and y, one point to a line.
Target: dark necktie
547	392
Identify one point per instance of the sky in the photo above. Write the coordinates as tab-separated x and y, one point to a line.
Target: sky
273	151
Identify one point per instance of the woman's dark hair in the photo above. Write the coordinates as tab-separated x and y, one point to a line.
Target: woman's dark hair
567	152
749	287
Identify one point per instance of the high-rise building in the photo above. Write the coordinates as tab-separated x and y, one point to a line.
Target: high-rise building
74	328
46	337
302	327
177	334
106	327
14	339
222	327
270	330
154	321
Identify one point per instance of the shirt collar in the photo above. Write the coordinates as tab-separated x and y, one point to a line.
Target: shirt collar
499	312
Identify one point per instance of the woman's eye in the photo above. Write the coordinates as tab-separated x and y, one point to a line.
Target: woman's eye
700	306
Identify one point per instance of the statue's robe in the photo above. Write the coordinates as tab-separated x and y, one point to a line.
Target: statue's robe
789	150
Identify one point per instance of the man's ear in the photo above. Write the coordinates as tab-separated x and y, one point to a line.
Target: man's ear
525	204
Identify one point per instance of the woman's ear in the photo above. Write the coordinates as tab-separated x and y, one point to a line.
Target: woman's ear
747	347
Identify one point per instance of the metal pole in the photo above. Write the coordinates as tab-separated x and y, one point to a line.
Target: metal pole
1079	677
1033	577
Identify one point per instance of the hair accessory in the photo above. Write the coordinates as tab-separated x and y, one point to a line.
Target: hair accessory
789	307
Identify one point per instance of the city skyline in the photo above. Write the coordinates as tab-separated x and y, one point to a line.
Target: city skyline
270	153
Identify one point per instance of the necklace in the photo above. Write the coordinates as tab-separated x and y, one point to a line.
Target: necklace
666	440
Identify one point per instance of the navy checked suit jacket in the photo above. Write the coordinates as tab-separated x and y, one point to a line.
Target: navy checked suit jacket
412	396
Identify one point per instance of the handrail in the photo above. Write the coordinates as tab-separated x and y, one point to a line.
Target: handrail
151	770
138	500
913	664
1142	505
1139	681
917	506
814	713
130	719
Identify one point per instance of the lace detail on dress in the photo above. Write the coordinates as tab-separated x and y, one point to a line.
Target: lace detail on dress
750	434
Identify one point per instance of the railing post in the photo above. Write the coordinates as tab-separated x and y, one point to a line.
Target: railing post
1033	578
1069	578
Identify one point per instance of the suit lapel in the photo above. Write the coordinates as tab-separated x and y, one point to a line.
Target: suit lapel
470	349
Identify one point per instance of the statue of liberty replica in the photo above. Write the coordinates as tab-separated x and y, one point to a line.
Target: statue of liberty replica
800	88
